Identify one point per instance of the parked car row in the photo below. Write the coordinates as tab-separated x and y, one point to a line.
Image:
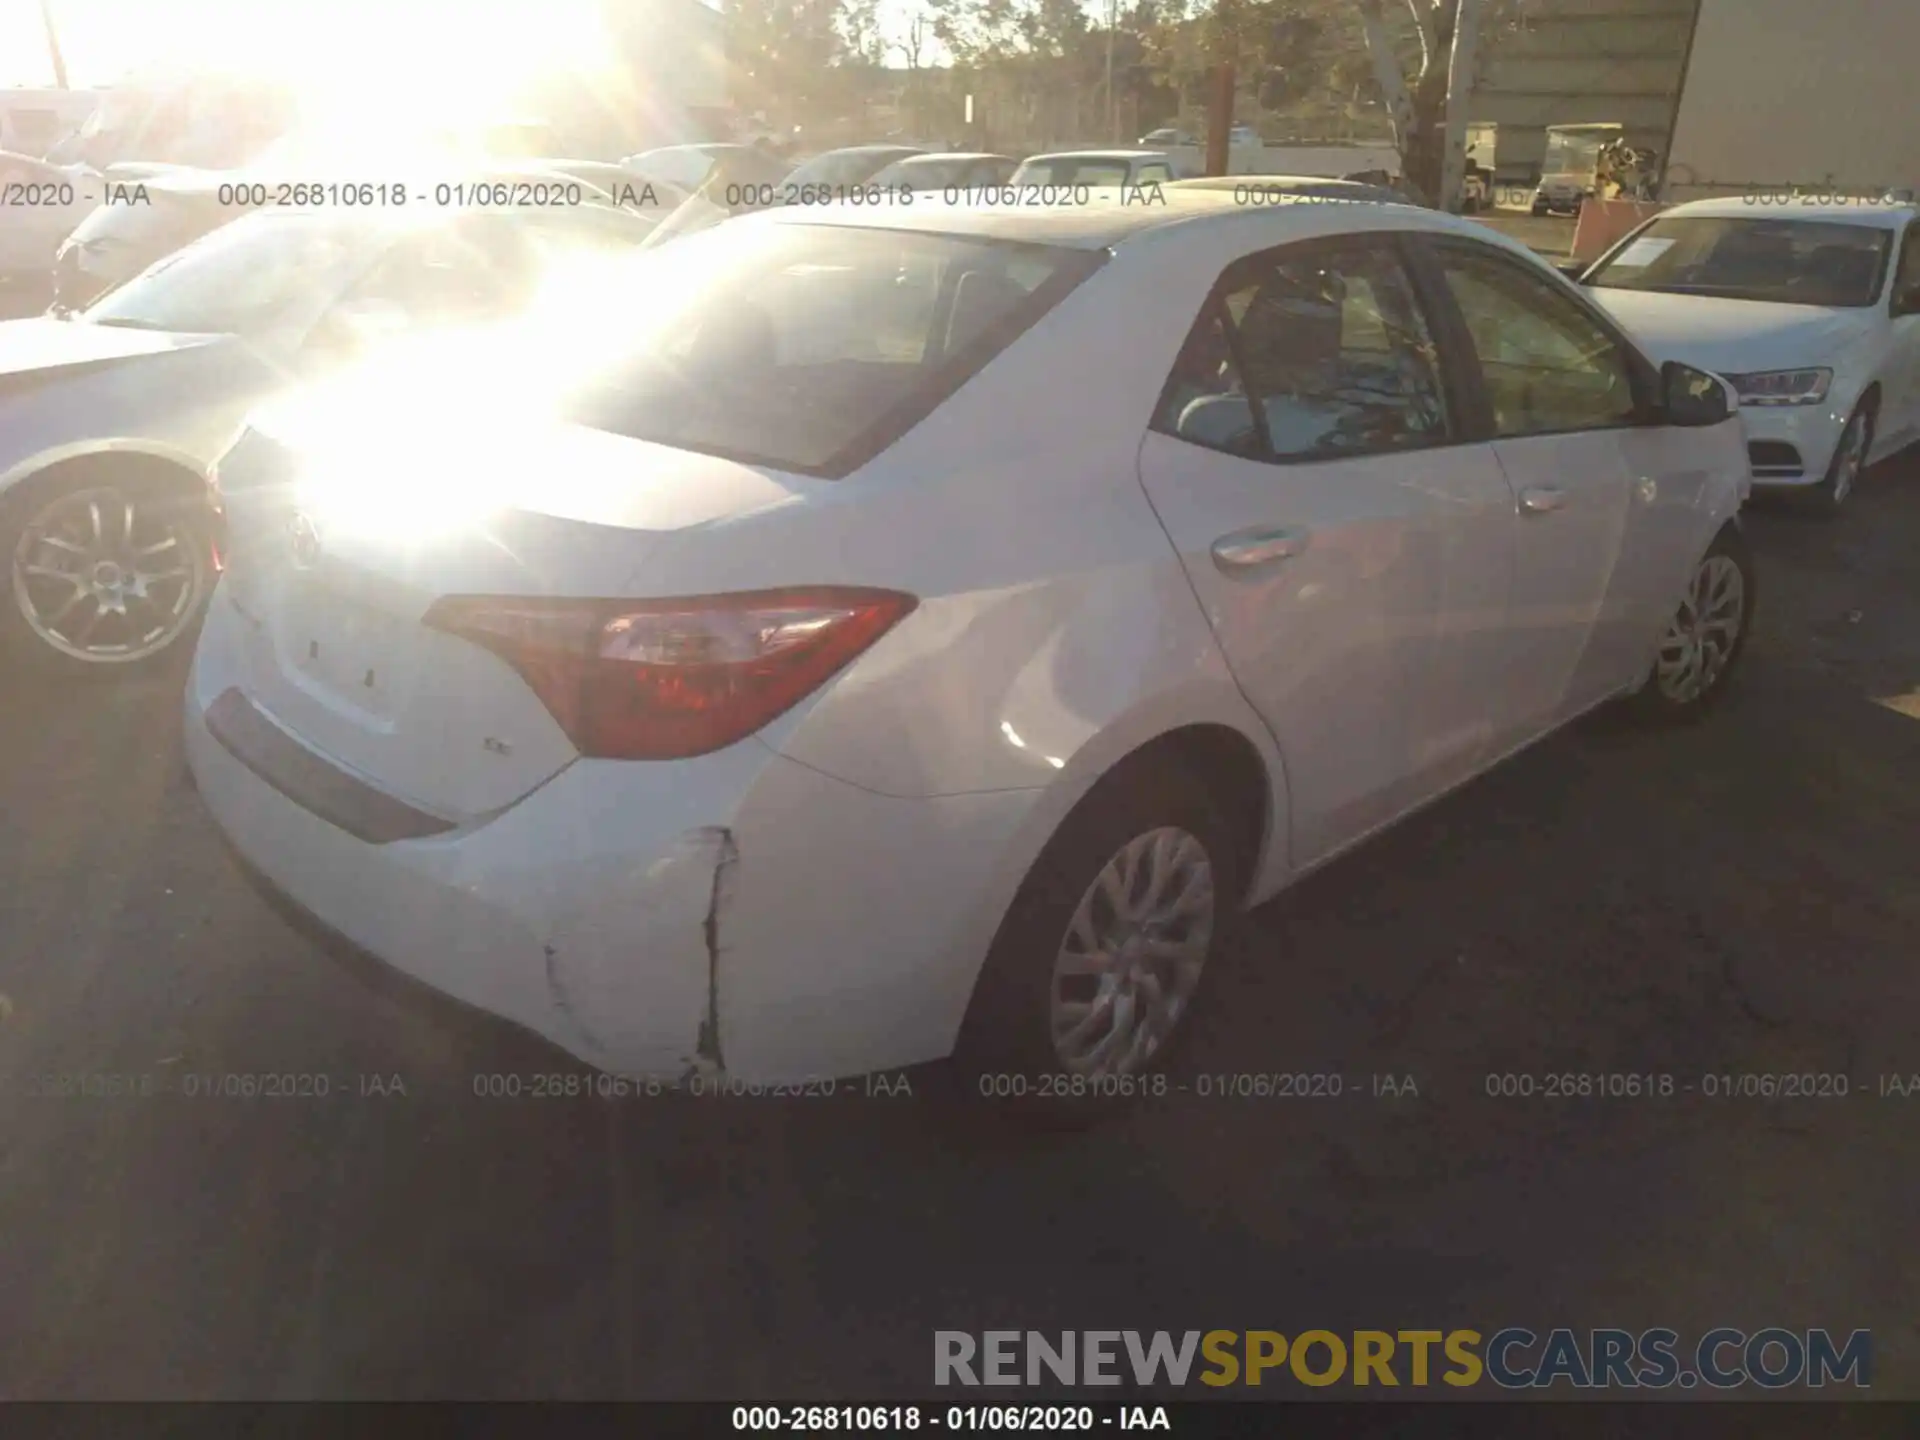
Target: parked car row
753	171
1171	138
736	668
116	241
1813	318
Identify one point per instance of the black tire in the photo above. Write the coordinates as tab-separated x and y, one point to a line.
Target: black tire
1539	209
22	646
1006	1061
1662	701
1829	498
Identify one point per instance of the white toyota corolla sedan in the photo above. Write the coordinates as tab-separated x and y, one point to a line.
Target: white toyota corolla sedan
893	635
1812	312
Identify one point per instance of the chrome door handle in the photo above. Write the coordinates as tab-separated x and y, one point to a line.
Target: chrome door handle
1246	550
1542	500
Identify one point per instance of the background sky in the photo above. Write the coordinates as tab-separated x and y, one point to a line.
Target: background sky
103	39
352	61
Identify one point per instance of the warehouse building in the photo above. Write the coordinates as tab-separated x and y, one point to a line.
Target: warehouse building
1582	62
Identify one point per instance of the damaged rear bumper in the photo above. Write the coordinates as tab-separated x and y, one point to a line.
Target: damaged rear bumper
736	914
589	913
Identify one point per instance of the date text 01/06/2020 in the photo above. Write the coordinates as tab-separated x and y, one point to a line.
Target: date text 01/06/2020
202	1085
447	194
893	1419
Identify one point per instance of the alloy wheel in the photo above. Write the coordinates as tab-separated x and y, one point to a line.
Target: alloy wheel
1851	460
1701	638
108	577
1132	954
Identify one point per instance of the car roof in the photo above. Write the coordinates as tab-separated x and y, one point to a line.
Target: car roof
198	181
1262	188
1098	155
1110	218
374	220
1275	182
576	167
603	174
1887	217
704	147
869	150
947	156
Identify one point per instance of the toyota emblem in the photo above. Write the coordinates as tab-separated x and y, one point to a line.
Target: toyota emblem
303	542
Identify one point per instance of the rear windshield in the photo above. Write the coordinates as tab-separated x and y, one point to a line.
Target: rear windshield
244	277
1099	174
929	174
807	347
1791	262
847	167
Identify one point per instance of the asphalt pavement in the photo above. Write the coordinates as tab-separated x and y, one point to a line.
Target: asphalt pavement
1737	898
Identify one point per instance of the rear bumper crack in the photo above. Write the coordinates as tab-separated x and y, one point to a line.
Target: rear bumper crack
708	1053
712	846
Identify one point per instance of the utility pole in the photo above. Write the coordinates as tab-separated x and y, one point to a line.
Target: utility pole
53	45
1460	75
1113	109
1219	120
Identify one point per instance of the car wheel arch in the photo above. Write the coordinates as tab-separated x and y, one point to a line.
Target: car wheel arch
139	463
1230	764
1223	750
1235	774
1217	733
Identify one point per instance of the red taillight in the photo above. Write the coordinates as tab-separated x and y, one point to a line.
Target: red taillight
668	679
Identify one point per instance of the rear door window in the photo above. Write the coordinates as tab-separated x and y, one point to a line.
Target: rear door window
1311	352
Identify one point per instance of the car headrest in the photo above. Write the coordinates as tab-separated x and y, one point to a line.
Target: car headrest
1294	322
979	300
1224	422
1844	267
737	336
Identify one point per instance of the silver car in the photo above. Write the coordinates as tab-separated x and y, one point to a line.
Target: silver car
158	211
110	421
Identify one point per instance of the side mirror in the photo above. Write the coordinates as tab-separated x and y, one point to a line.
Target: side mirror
1691	397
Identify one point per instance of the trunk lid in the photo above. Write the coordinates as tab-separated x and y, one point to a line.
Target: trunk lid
334	576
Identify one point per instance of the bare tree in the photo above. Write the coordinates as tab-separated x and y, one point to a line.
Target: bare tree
858	23
53	44
1426	100
913	44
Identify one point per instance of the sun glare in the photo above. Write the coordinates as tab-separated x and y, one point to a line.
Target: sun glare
433	63
363	70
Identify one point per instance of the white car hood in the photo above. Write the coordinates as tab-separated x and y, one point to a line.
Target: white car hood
40	344
1735	337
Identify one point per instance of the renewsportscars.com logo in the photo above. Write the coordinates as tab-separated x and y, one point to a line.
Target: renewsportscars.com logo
1513	1358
